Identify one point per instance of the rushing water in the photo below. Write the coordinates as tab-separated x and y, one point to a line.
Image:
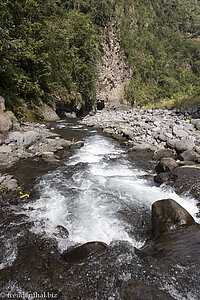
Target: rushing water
95	192
100	194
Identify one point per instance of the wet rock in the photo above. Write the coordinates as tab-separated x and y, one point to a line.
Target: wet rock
187	179
134	290
62	232
163	177
79	253
77	145
166	164
184	145
188	155
168	215
161	153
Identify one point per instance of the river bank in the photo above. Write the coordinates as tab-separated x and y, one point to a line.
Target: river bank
173	136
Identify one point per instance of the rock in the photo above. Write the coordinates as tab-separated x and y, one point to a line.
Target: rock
2	105
12	184
187	163
195	121
172	143
198	125
128	133
166	164
31	137
197	149
162	177
47	113
162	137
16	136
6	123
77	145
48	155
164	152
62	232
81	252
133	290
187	179
5	149
184	145
168	215
188	155
179	132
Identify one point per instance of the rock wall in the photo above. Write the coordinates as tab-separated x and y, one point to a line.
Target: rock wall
114	73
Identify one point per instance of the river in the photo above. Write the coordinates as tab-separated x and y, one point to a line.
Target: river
102	193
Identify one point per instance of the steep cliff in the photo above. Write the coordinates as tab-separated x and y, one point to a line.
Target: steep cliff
114	74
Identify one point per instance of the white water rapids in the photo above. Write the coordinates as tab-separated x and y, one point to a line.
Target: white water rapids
90	194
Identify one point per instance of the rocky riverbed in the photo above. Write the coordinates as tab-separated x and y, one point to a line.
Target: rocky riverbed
172	135
20	141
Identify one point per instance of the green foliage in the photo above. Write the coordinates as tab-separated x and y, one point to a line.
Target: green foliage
50	48
46	50
161	41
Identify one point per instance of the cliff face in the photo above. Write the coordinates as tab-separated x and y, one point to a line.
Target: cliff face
114	73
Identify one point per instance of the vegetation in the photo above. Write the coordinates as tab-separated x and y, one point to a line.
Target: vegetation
162	43
50	48
46	50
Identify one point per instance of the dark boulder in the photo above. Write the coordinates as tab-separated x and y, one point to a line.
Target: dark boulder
187	179
168	215
161	153
188	155
79	253
163	177
166	164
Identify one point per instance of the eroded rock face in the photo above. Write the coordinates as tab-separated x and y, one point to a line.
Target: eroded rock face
47	113
168	215
81	252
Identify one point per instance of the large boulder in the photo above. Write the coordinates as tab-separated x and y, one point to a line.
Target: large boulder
179	132
168	215
189	155
31	137
81	252
184	145
2	105
187	179
16	137
6	123
166	164
164	152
